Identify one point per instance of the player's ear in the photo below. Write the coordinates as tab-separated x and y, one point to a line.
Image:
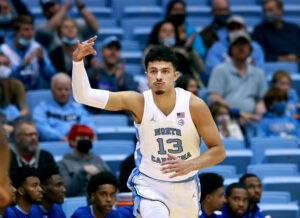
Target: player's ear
176	75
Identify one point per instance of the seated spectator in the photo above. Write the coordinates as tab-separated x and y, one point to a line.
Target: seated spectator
237	201
54	118
253	185
26	152
61	56
53	193
188	83
236	82
279	39
14	91
282	80
212	195
12	191
77	168
275	123
164	33
187	35
102	189
29	60
127	166
218	51
216	31
54	11
29	192
226	122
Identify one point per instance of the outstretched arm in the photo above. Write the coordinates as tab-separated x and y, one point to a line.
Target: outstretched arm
84	94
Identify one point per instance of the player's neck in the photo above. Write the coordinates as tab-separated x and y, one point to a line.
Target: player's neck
24	205
47	204
208	210
166	101
97	212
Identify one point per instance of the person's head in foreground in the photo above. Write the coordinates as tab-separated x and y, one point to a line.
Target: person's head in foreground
237	199
276	101
188	83
161	64
253	184
102	189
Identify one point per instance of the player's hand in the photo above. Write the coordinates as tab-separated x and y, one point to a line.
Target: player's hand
84	49
176	166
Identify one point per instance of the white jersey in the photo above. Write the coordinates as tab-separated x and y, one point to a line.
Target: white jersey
159	134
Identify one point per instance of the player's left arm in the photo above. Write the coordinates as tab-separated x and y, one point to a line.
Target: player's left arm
207	129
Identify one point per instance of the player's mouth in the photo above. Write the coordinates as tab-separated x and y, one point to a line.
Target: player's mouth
108	207
159	84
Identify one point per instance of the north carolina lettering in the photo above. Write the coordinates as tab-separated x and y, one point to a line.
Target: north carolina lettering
164	159
167	131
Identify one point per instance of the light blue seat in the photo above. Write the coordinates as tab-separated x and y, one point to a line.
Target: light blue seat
272	67
280	210
234	144
239	158
188	2
275	197
109	120
57	148
95	3
283	156
134	69
203	94
199	22
132	57
107	22
71	204
35	97
269	170
259	145
130	45
296	82
119	133
143	11
104	32
99	12
32	3
227	171
292	10
198	11
247	10
142	34
292	19
243	3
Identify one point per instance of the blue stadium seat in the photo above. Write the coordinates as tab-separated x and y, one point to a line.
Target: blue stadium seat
275	197
247	10
227	171
280	210
292	10
37	12
203	94
109	120
239	158
104	32
107	22
188	2
95	3
296	82
32	3
198	11
134	69
243	3
259	145
35	97
234	144
269	170
272	67
99	12
57	148
132	57
130	45
292	19
283	156
202	22
251	21
71	204
119	133
142	34
143	11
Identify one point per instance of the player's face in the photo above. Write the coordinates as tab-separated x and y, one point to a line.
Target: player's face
178	8
54	190
161	76
271	6
69	29
27	139
61	91
254	189
32	190
218	198
220	7
238	201
283	84
104	198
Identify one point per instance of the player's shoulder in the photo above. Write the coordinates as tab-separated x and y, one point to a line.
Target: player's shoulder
196	102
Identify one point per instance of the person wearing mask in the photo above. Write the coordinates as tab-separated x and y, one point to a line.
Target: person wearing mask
278	38
187	35
253	185
77	168
275	122
29	60
212	195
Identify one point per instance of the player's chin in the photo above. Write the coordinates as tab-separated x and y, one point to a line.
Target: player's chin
159	92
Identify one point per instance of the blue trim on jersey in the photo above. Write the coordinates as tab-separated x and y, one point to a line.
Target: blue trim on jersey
197	180
181	181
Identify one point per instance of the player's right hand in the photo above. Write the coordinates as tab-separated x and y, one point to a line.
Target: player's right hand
84	49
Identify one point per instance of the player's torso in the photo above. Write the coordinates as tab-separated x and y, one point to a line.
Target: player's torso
159	134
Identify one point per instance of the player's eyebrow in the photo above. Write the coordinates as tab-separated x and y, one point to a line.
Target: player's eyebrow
163	68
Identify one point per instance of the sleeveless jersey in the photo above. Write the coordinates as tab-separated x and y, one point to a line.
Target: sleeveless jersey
159	134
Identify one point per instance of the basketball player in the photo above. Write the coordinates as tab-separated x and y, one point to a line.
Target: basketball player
170	124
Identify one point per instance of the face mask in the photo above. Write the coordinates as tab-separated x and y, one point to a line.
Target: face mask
24	42
5	18
177	19
69	41
271	17
84	145
171	41
4	72
223	117
279	108
220	20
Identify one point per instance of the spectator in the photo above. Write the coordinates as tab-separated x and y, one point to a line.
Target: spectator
54	11
212	195
53	193
12	191
102	190
273	33
237	201
54	118
282	80
226	122
29	192
216	31
188	83
253	184
29	60
127	166
14	91
218	51
275	123
236	82
26	152
187	34
61	56
77	168
164	33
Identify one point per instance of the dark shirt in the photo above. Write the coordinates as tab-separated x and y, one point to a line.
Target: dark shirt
278	42
55	211
256	214
228	214
126	167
